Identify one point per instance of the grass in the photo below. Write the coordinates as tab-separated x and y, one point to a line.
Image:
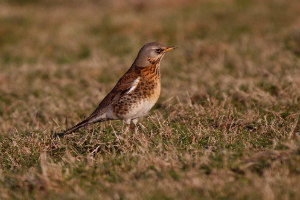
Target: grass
225	127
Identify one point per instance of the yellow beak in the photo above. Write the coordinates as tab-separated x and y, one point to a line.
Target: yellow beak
169	49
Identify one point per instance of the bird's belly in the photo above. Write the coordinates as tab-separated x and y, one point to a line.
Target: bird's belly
143	105
137	103
140	109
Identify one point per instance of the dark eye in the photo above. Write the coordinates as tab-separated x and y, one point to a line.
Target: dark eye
158	51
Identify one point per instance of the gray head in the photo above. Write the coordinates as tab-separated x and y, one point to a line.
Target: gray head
151	53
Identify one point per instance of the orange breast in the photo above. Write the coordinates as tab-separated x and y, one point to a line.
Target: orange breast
139	101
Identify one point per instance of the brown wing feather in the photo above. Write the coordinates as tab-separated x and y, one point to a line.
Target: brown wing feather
113	96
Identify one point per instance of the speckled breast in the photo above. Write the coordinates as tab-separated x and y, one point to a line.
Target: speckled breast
142	99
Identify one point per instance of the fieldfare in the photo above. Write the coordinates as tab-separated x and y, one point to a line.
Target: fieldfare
135	93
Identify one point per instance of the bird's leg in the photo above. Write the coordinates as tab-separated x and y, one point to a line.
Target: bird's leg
127	121
135	121
132	127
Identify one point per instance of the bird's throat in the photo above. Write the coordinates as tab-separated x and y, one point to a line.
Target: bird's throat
153	71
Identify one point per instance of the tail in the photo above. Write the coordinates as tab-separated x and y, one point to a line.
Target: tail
77	126
74	128
89	120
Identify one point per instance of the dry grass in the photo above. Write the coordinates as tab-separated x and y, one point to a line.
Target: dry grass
226	125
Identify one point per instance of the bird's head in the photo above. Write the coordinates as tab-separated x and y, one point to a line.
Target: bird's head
151	53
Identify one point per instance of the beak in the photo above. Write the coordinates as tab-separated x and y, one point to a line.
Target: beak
170	48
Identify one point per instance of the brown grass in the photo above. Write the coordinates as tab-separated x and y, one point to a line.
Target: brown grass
226	125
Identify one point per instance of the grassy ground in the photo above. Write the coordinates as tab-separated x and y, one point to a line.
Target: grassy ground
226	125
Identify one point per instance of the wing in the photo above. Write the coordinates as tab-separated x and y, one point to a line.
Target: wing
126	84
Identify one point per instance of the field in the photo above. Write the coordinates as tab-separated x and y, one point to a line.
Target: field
226	125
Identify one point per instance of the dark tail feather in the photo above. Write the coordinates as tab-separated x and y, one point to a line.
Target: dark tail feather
85	122
77	126
74	128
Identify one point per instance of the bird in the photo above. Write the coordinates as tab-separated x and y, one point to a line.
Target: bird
135	93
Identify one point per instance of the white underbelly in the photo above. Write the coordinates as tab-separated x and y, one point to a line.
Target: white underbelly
140	109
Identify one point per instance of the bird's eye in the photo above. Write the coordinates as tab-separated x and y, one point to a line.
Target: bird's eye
158	51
